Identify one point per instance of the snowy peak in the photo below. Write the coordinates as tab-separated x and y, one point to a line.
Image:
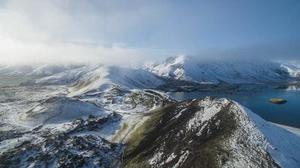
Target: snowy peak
189	68
178	60
173	67
292	70
212	133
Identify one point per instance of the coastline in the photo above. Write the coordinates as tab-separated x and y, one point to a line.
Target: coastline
293	130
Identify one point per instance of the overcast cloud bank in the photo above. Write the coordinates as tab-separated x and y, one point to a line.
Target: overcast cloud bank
131	32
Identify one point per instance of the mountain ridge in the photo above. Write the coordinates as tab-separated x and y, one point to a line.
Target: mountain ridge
212	132
189	68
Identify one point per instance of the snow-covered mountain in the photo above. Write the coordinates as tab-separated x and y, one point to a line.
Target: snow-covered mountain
15	69
189	68
106	116
35	70
104	77
292	70
211	133
85	78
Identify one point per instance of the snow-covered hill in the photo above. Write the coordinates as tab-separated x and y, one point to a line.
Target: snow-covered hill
85	78
189	68
56	110
104	77
15	70
43	125
35	70
211	133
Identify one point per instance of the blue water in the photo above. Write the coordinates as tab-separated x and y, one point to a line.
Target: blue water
258	102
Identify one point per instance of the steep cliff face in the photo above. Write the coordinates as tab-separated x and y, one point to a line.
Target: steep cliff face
210	133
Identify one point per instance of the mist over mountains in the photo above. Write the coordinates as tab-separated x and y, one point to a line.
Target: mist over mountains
151	84
186	68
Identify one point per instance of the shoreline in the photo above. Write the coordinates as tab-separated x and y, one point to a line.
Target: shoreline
293	130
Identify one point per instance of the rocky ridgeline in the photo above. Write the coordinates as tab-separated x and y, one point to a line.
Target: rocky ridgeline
210	133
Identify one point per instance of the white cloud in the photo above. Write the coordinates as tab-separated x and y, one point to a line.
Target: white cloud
17	52
129	31
59	31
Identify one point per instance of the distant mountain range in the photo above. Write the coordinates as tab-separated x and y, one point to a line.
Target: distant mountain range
190	68
181	68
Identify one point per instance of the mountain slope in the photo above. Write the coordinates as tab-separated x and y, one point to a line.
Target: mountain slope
292	70
211	133
84	78
70	117
105	77
35	70
59	131
191	69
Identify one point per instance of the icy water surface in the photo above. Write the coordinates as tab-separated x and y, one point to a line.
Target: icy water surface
258	102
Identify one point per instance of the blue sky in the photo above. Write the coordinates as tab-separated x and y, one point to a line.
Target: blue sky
112	31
